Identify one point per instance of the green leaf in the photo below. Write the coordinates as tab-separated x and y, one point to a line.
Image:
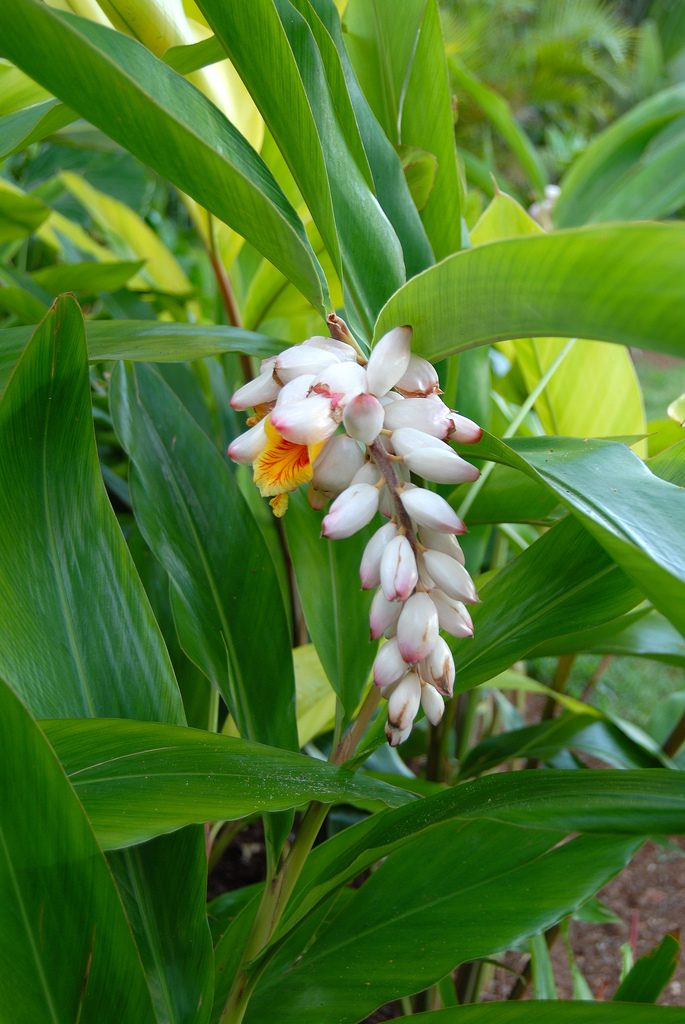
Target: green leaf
20	215
530	1012
650	975
388	179
86	277
20	129
137	780
458	892
642	634
25	306
564	582
119	86
419	171
507	496
617	283
633	169
62	926
192	57
228	954
541	965
335	609
633	514
303	119
147	341
79	637
225	593
428	122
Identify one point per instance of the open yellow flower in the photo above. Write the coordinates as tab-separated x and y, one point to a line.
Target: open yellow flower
282	466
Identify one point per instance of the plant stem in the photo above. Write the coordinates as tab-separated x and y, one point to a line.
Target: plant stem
352	737
525	977
676	738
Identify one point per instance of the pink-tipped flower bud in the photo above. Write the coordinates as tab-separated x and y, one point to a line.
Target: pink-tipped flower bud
389	360
389	666
453	616
370	567
396	736
417	628
431	417
336	464
339	348
407	439
398	571
307	422
363	418
295	390
445	542
464	431
432	704
420	379
429	509
438	668
259	391
450	576
342	382
404	702
440	467
350	511
382	614
299	359
368	474
246	447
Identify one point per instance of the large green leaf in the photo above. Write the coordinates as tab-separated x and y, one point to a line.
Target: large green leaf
650	975
79	638
640	634
20	129
137	780
458	892
335	610
20	215
563	583
120	87
631	170
635	515
428	122
86	277
530	1012
618	283
303	119
225	593
68	950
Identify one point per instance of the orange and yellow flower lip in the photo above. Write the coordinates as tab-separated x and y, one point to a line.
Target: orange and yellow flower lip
282	466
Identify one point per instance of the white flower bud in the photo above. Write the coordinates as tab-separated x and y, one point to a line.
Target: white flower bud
336	464
432	417
370	567
342	381
432	704
404	702
259	391
389	666
268	364
295	390
440	467
419	380
363	418
302	359
382	614
317	499
396	736
369	473
389	360
445	542
438	668
350	511
464	431
453	616
429	509
391	631
398	570
407	439
245	448
307	422
417	628
339	348
450	576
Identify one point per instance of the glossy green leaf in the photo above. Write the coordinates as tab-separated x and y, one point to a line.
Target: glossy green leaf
530	1012
642	634
388	179
508	496
632	513
193	56
19	129
225	593
458	892
120	87
617	283
228	954
61	919
17	90
336	610
137	780
669	463
20	215
650	975
631	170
427	121
79	638
419	171
26	307
563	583
86	277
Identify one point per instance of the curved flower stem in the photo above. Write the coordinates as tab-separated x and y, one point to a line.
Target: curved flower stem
382	459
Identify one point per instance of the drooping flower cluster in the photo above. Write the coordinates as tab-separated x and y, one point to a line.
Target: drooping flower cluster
356	431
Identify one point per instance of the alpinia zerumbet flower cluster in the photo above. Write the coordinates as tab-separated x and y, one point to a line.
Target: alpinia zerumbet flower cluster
355	431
